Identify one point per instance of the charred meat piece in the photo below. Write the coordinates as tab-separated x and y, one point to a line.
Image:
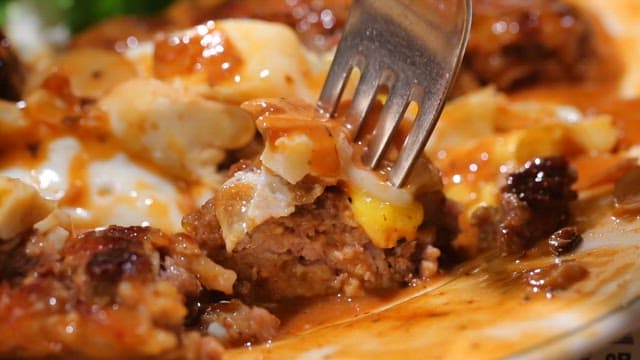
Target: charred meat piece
318	250
121	292
11	72
564	240
534	205
520	43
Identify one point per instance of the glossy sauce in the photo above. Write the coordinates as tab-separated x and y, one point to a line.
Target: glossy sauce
205	50
279	121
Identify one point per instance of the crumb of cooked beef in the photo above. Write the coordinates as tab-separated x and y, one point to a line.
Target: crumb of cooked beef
534	204
120	292
519	43
235	323
557	276
564	240
318	250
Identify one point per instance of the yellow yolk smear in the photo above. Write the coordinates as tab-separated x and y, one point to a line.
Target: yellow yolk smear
385	223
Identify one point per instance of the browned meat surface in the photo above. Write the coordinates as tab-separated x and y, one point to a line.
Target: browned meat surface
515	43
318	250
121	292
534	205
11	72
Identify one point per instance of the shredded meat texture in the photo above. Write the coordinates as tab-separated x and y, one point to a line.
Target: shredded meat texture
121	292
11	72
526	42
318	250
534	205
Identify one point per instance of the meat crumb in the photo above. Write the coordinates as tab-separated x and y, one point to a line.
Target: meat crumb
559	276
564	240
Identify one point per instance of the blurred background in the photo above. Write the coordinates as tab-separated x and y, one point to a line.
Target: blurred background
76	15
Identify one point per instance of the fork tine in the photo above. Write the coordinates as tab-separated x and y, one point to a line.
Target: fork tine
362	99
392	113
334	85
424	124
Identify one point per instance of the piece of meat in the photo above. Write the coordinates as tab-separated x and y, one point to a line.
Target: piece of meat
516	43
318	250
120	292
554	277
12	76
235	323
534	205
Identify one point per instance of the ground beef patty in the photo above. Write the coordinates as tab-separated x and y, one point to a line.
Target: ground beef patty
320	250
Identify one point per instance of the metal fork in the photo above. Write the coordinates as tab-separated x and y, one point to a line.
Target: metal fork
415	48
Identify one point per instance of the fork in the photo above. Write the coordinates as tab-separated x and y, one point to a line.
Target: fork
414	48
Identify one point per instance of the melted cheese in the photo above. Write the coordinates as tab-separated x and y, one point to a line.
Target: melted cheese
385	223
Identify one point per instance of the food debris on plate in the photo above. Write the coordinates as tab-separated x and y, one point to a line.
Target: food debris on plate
167	190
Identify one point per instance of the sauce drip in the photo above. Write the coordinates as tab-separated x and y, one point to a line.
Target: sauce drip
280	120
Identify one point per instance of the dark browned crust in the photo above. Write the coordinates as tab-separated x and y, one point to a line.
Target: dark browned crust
534	205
